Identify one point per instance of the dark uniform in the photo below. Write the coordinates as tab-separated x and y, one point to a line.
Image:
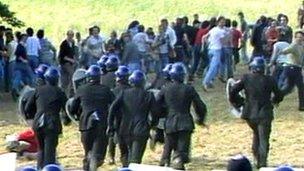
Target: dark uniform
179	121
258	110
132	106
113	139
94	99
49	100
109	79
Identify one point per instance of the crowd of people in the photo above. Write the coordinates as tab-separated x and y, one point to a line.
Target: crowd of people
116	103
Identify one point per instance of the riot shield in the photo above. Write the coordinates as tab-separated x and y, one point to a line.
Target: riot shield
25	94
235	111
79	78
73	116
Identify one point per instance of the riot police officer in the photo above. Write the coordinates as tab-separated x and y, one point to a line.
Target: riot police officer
132	106
40	71
122	83
258	108
94	99
49	99
111	65
157	135
179	124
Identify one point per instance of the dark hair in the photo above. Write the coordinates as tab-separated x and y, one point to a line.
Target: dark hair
299	32
141	28
220	18
19	36
40	34
30	31
228	22
263	20
133	24
2	28
8	29
164	20
205	24
212	22
241	14
279	16
185	19
285	16
9	36
114	32
234	23
96	27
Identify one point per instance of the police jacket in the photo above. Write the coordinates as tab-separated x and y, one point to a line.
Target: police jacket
109	79
49	100
178	98
135	104
92	97
258	90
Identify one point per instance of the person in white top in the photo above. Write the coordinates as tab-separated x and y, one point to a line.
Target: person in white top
95	46
142	42
215	39
32	48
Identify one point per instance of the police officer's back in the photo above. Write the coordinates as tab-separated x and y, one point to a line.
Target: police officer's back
135	104
94	99
258	106
179	123
49	99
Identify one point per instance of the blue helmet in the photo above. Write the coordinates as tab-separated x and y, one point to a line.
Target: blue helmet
257	65
137	78
166	71
52	75
102	61
178	72
52	167
124	169
122	73
28	168
239	163
40	70
284	168
112	63
93	71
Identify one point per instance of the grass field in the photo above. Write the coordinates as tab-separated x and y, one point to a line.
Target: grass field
56	16
226	136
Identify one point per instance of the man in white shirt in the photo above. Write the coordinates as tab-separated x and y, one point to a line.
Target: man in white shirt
142	42
215	38
32	48
278	60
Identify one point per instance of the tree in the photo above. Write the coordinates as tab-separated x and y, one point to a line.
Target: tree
8	16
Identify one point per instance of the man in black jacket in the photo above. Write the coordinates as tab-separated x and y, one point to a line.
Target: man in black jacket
258	108
179	124
122	84
49	100
133	106
67	62
94	99
257	37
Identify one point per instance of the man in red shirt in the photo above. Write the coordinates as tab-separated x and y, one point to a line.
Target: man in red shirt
197	48
24	143
236	37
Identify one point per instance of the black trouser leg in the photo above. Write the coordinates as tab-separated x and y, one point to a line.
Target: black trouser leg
264	129
124	152
137	149
47	143
95	144
182	149
255	139
170	144
40	137
300	85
